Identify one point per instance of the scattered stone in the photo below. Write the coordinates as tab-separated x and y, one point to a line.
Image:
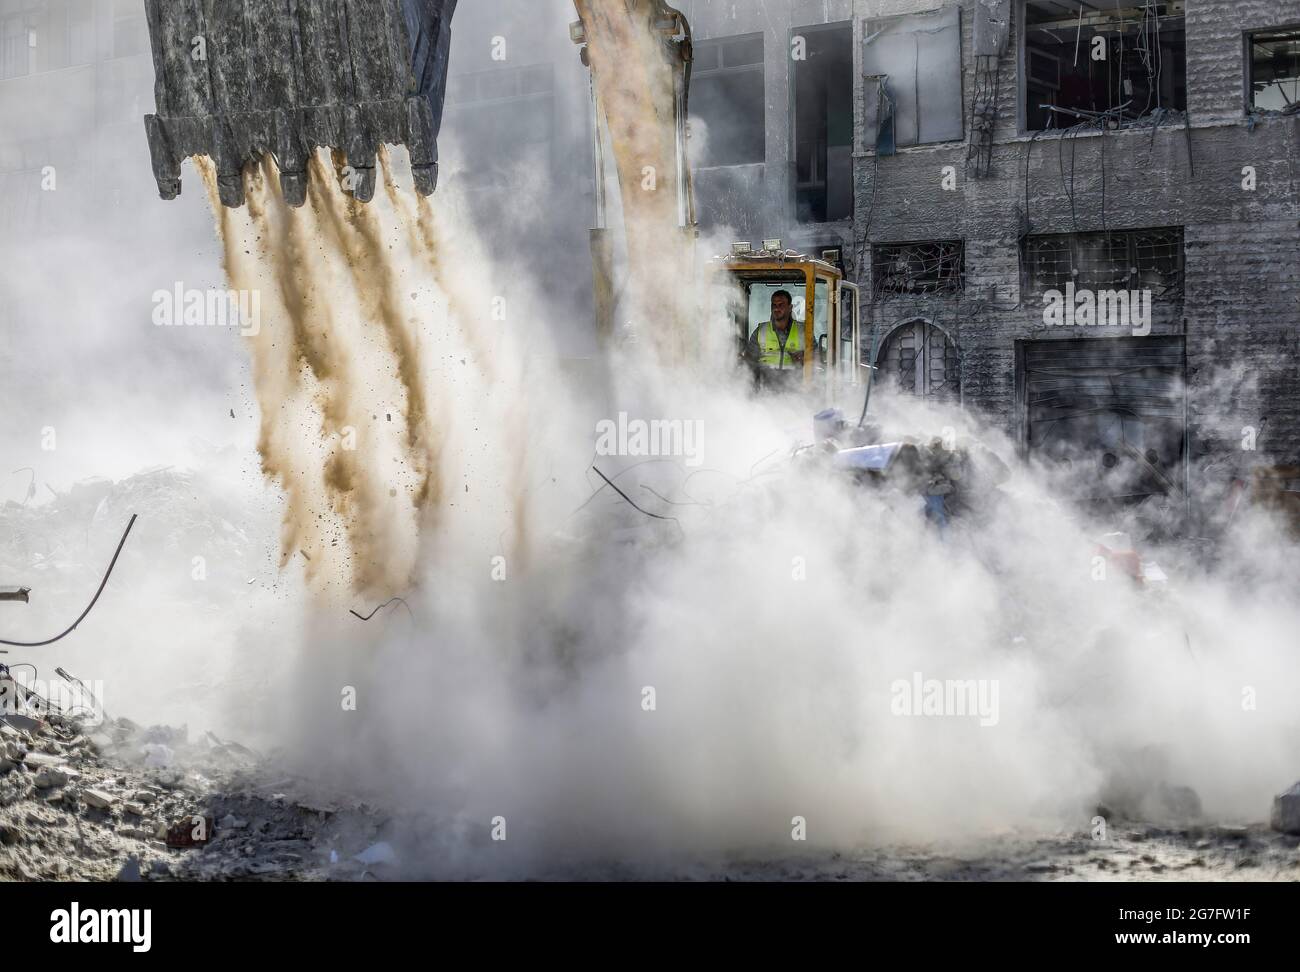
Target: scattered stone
97	799
39	760
145	797
13	788
130	870
52	776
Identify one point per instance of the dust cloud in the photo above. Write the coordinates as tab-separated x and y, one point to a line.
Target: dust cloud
690	675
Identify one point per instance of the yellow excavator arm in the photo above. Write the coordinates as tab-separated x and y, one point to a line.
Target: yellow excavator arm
639	53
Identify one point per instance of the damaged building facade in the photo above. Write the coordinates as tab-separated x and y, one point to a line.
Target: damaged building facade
1080	219
1000	176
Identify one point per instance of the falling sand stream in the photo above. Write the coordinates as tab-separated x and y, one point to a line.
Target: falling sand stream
350	431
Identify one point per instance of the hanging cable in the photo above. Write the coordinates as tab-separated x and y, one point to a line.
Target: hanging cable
73	627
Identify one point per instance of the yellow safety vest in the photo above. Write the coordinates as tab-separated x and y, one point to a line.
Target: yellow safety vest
770	346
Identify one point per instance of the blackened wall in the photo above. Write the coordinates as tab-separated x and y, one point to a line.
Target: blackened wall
1241	309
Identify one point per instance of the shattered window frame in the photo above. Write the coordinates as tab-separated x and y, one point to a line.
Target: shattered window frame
822	171
726	69
1136	259
919	114
1250	40
922	267
1071	114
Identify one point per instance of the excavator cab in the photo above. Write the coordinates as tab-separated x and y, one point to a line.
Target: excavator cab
824	304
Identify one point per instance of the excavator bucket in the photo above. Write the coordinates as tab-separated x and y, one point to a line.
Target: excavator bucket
236	80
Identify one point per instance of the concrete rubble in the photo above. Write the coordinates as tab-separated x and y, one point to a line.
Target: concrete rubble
81	810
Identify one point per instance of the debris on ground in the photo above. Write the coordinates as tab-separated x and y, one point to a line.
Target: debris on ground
94	804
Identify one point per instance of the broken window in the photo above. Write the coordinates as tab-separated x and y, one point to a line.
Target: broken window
1081	61
916	59
918	268
1148	259
822	79
1274	62
727	103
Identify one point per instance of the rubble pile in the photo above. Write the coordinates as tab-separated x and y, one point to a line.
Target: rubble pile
124	802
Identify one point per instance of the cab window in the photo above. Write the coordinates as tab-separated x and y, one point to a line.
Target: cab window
760	304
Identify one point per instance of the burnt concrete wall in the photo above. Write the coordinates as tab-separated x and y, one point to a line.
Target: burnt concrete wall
1241	309
756	202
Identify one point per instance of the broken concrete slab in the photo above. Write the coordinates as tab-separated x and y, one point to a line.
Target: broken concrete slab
49	777
98	799
21	722
36	760
1286	811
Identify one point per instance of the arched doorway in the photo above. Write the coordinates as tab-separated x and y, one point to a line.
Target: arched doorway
921	358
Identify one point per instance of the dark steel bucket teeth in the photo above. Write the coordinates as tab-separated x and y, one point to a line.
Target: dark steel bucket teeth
236	80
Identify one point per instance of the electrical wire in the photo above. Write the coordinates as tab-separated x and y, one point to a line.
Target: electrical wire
391	600
73	627
631	502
